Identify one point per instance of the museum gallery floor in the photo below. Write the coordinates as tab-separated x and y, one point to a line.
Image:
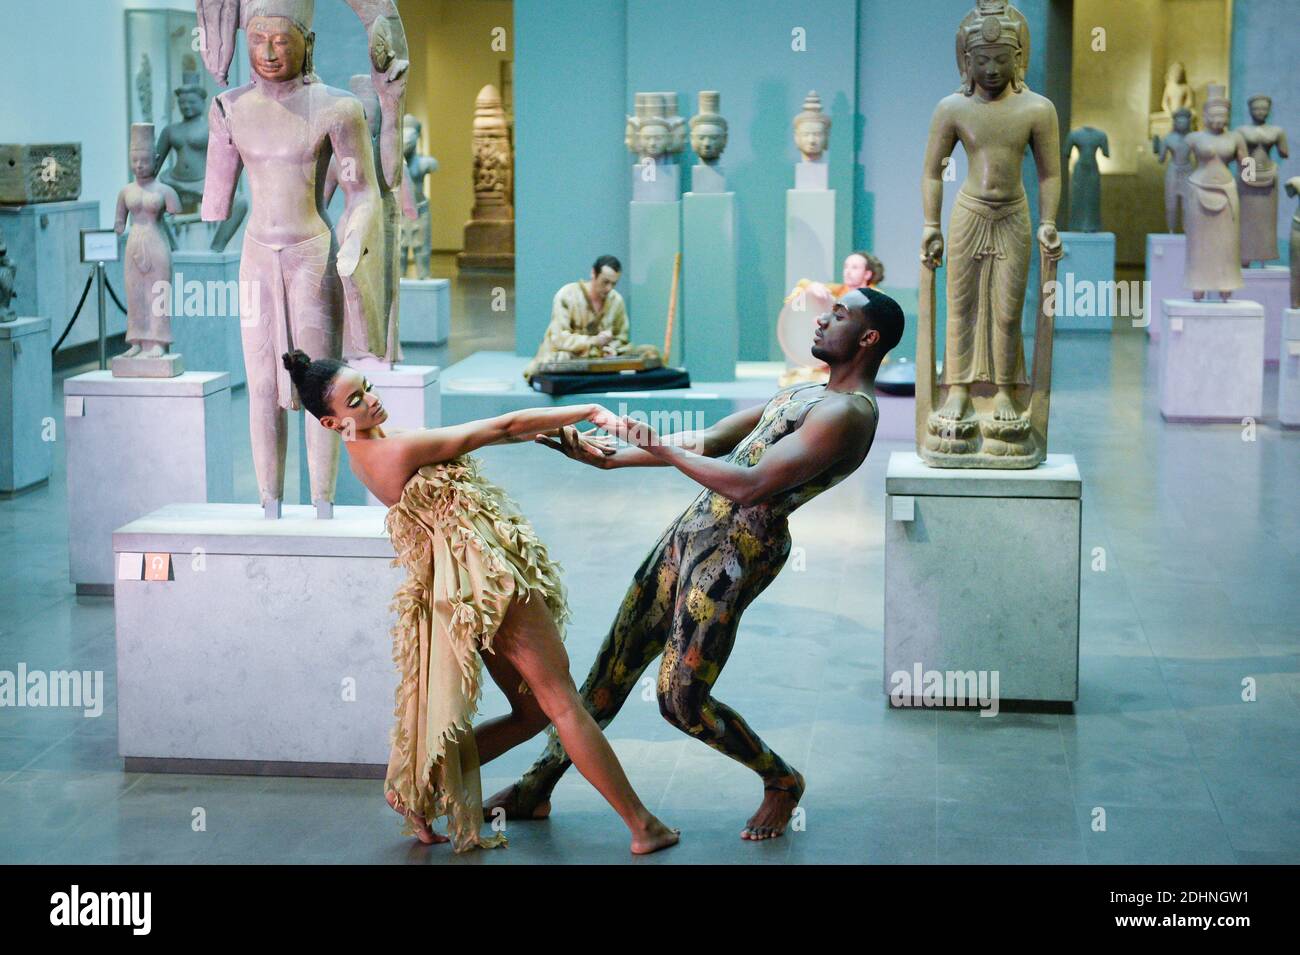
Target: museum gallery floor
1200	536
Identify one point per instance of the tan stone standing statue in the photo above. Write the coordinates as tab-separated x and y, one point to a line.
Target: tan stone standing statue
991	416
490	232
1213	212
311	290
1257	183
1176	150
1293	190
147	265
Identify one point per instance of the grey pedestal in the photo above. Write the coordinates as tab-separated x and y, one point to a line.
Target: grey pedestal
270	652
205	327
45	244
134	445
27	431
426	311
982	574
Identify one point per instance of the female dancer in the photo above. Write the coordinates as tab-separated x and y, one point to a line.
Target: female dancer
478	581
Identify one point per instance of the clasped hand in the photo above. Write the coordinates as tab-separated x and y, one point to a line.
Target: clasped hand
598	450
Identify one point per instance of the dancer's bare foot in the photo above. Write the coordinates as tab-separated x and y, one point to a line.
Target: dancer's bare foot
774	813
956	406
510	800
422	830
653	837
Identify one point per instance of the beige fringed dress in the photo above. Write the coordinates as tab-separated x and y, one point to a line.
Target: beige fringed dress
467	551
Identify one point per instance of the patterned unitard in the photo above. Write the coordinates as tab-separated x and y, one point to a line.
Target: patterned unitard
685	602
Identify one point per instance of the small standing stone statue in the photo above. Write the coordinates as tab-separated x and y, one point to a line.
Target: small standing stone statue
1213	212
1257	183
812	129
1293	190
417	233
8	273
1175	148
1178	93
187	139
147	265
1085	178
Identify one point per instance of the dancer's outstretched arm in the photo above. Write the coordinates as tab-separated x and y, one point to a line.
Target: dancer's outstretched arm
712	442
433	445
827	437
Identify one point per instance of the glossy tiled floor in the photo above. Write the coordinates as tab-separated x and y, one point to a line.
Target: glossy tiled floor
1201	537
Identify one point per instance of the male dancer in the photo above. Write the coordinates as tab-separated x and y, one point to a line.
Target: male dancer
686	599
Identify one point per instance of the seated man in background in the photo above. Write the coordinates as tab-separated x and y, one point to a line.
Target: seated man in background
861	270
589	320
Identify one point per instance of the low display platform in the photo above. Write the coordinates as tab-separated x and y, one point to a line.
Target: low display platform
490	383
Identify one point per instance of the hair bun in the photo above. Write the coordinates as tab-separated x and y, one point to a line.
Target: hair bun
296	361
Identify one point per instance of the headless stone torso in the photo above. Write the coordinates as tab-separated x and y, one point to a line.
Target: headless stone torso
1085	178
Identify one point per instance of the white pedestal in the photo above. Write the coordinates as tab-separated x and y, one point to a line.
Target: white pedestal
135	444
656	182
1166	268
654	239
27	431
812	175
1288	372
425	307
1271	287
809	235
44	242
982	574
412	398
707	179
274	647
709	320
205	312
1087	300
1212	360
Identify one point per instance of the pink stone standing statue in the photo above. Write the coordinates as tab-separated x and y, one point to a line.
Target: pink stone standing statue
309	288
147	264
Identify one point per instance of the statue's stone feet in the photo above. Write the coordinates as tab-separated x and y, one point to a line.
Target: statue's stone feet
1010	444
945	436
